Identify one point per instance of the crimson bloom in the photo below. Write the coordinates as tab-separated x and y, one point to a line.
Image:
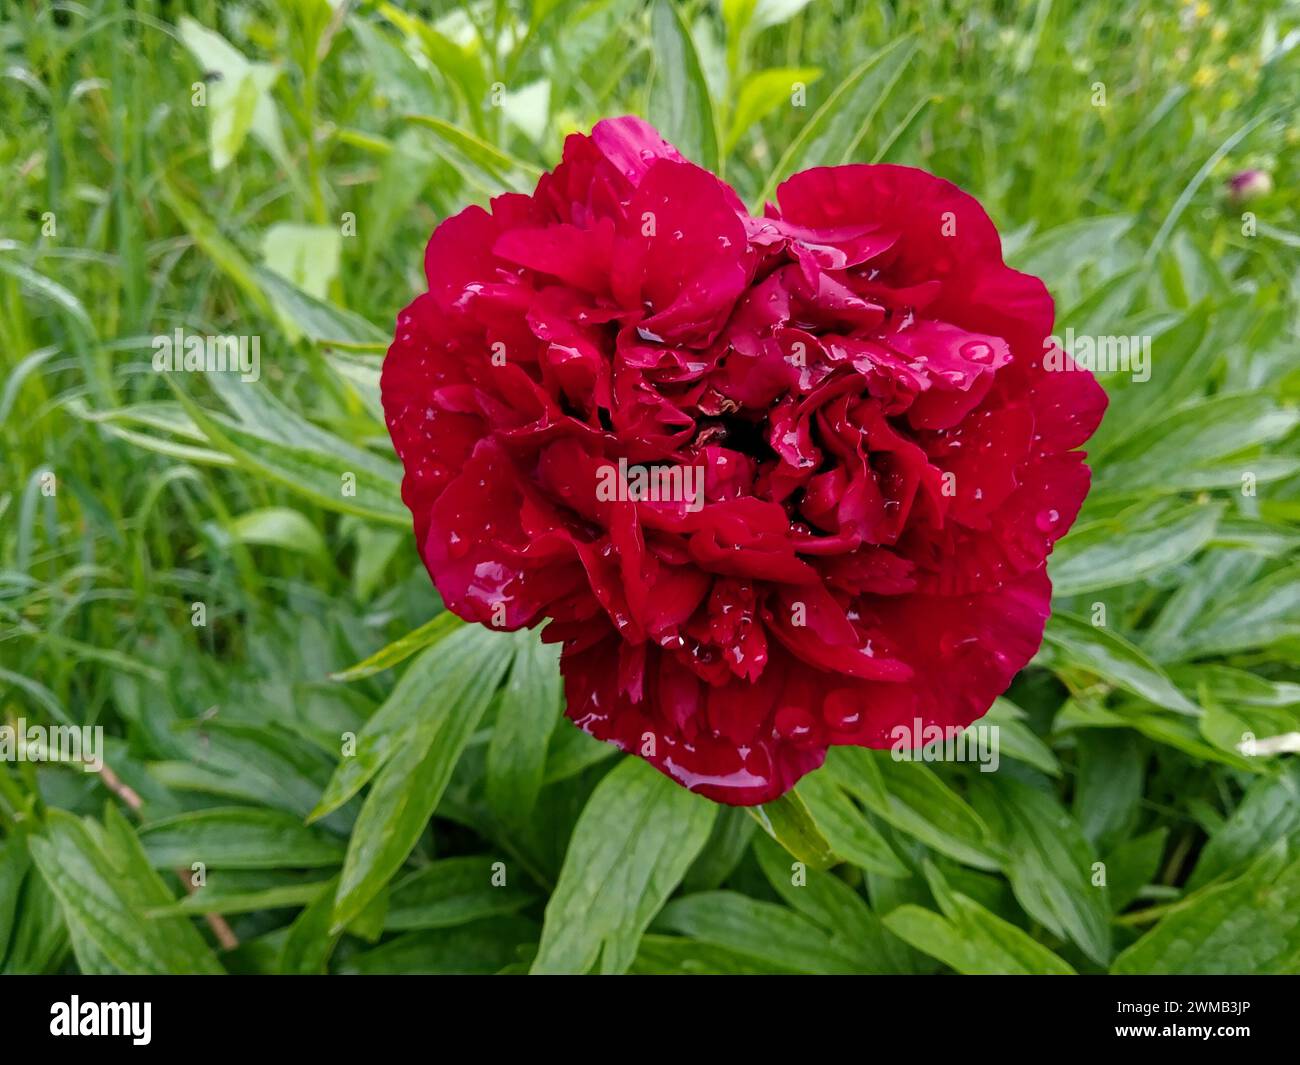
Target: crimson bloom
865	460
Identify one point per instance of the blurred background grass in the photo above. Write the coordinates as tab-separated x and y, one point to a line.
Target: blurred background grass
274	170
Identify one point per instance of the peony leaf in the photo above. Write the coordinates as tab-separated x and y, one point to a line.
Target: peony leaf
912	798
1211	578
436	676
761	94
210	900
104	883
679	956
633	843
1265	612
530	708
727	846
423	754
1108	784
452	892
488	166
1133	865
238	837
1071	642
834	132
680	105
1270	811
480	947
846	828
1247	925
973	940
832	904
272	440
1049	862
762	930
1190	447
401	649
1115	551
310	942
1016	739
789	821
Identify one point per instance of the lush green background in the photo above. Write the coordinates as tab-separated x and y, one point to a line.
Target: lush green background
1120	743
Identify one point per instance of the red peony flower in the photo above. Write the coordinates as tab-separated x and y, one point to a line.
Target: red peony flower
775	483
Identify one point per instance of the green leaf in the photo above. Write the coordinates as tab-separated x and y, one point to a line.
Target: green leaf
205	900
410	784
1190	447
38	941
1269	811
279	527
832	904
1016	739
572	751
1115	551
761	94
322	323
973	939
1071	641
239	98
833	134
680	105
1133	865
490	168
846	828
300	456
530	708
1210	579
237	837
402	648
14	864
633	843
452	892
774	934
215	245
528	108
104	884
305	256
1181	733
1265	612
459	64
446	672
48	289
479	948
1247	925
789	821
1108	784
1049	863
1266	538
311	939
733	830
680	956
912	798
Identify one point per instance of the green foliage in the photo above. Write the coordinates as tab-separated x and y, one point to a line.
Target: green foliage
310	767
